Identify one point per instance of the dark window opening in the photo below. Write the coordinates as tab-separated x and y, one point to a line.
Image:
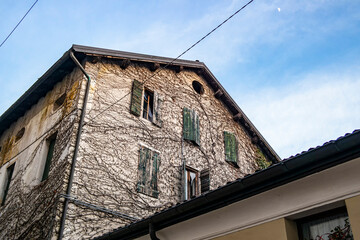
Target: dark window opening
333	224
198	87
50	152
60	101
148	105
19	134
9	173
192	181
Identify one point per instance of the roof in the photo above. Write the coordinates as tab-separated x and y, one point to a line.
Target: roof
65	65
314	160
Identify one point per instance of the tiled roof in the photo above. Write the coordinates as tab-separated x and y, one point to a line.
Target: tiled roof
324	144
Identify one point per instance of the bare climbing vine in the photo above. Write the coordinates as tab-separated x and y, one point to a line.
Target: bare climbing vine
107	166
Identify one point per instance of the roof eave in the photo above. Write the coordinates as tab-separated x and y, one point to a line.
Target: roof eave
31	96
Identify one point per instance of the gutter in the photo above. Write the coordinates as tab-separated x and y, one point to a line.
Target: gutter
333	153
77	144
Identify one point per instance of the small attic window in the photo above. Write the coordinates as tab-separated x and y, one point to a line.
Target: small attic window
19	134
59	101
198	87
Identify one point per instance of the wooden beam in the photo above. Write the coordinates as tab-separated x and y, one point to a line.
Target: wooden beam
218	93
95	59
125	63
200	71
255	140
238	116
154	66
179	68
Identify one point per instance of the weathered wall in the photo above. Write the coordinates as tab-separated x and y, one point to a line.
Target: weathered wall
107	168
30	207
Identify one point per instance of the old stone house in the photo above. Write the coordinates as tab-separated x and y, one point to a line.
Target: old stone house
312	195
105	138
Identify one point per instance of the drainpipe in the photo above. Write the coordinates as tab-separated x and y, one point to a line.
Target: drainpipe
76	150
152	232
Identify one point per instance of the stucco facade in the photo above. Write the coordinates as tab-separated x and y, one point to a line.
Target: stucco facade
108	173
31	203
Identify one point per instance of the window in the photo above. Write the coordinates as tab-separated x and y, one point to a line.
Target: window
19	134
150	103
231	148
191	126
59	101
192	181
50	151
9	173
198	87
149	162
329	225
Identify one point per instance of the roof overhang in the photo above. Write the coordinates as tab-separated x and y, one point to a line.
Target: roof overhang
65	65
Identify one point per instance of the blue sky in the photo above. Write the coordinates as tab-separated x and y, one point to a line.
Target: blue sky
292	66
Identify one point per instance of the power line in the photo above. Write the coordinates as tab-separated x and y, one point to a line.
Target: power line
170	63
18	23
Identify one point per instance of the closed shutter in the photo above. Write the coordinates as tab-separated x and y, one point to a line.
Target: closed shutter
143	158
205	180
155	170
154	175
191	126
196	129
231	148
187	124
156	108
149	162
136	98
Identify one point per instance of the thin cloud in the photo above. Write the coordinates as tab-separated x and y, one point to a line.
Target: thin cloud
318	108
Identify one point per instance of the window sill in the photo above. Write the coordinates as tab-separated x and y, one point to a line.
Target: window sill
234	164
147	191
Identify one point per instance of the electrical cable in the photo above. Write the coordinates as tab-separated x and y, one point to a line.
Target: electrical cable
171	62
18	23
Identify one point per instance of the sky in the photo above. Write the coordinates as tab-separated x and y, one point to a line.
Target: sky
292	66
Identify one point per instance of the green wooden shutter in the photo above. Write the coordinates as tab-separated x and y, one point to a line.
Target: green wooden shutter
144	155
191	126
205	180
230	148
187	124
136	98
156	108
154	175
196	128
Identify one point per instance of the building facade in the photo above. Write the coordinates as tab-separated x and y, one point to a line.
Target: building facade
312	195
105	138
